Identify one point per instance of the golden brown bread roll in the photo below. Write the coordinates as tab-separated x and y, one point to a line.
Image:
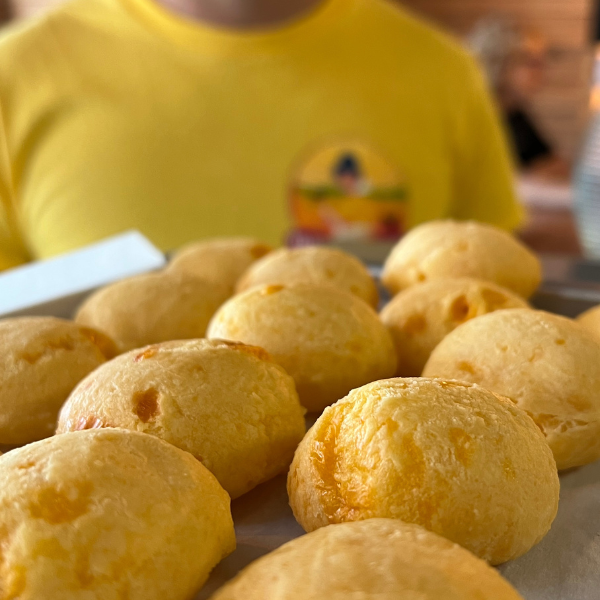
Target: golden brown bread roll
108	514
152	308
453	457
328	340
378	558
421	316
220	260
548	365
590	321
461	249
226	403
313	264
41	361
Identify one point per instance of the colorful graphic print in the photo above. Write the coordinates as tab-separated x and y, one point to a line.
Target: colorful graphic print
347	191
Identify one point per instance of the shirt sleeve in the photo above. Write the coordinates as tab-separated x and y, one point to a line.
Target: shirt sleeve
484	184
12	249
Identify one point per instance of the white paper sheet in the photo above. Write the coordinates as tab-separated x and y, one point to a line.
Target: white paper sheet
56	286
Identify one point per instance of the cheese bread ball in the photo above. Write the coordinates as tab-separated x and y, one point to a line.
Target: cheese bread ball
378	558
220	260
421	316
590	320
453	457
313	264
461	249
41	360
226	403
108	514
548	365
328	340
153	308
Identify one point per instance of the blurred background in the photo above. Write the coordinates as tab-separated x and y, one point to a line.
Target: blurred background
546	51
543	62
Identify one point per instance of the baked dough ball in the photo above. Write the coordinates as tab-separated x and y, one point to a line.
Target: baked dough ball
453	457
153	308
548	365
314	264
378	558
41	361
108	514
226	403
220	260
590	320
421	316
461	249
328	340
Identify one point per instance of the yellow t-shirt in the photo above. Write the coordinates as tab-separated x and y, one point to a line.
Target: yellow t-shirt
356	121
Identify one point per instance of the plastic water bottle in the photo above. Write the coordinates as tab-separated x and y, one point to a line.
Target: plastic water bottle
587	193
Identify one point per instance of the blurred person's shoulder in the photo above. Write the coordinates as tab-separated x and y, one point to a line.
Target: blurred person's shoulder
426	43
33	42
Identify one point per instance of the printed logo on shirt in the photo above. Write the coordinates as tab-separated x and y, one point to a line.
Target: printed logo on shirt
346	191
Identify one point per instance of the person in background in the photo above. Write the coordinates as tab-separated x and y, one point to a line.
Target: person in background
515	63
194	118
